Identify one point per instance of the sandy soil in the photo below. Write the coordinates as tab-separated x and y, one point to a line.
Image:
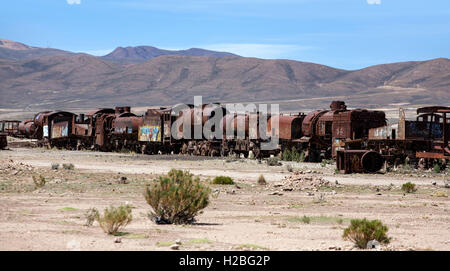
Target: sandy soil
245	216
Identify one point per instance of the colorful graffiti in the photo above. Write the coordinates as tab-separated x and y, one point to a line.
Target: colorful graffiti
149	133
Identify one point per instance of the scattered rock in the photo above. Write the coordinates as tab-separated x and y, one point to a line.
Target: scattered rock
373	244
178	242
175	247
276	193
123	180
118	240
433	183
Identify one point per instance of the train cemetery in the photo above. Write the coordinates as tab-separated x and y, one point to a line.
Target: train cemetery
335	179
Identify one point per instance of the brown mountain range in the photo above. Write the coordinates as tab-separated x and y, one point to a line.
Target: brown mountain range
84	81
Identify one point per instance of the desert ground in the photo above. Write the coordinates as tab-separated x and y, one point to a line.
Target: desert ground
244	216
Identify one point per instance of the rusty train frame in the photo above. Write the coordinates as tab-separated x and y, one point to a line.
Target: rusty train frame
360	140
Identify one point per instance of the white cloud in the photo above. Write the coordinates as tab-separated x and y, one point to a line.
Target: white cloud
73	2
374	2
271	51
100	52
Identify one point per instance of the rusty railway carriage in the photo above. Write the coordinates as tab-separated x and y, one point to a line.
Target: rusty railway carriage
359	139
10	127
422	141
57	129
326	131
3	141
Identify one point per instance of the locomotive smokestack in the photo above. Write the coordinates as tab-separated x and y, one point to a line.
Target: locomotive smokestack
338	105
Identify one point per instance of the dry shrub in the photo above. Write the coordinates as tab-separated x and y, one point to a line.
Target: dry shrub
176	198
362	231
115	218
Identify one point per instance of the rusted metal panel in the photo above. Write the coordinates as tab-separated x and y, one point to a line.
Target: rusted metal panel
358	161
290	127
126	125
60	130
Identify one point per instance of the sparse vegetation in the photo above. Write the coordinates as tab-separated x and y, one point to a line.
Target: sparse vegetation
289	168
39	181
293	155
223	180
68	166
273	161
176	198
305	219
362	231
261	180
440	194
409	187
437	168
115	218
250	247
91	215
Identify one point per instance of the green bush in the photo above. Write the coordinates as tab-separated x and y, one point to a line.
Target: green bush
409	187
305	219
39	181
114	218
222	180
176	198
293	155
362	231
437	168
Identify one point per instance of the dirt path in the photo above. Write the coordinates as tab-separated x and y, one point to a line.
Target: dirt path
242	217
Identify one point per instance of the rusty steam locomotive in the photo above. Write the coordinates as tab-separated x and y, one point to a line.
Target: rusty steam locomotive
359	139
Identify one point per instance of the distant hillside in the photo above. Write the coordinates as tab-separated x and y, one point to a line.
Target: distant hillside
144	53
11	50
87	81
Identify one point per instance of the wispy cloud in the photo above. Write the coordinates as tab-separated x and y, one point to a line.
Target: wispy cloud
73	2
374	2
100	52
270	51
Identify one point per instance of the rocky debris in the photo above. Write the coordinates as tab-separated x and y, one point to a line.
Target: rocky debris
118	240
296	182
276	193
175	247
178	242
447	184
123	180
373	244
14	169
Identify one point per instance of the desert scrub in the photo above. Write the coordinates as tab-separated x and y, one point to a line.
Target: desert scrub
176	198
273	161
362	231
68	166
91	215
437	168
115	218
293	155
39	181
223	180
261	180
409	187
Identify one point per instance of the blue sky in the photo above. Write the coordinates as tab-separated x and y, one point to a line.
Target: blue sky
348	34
